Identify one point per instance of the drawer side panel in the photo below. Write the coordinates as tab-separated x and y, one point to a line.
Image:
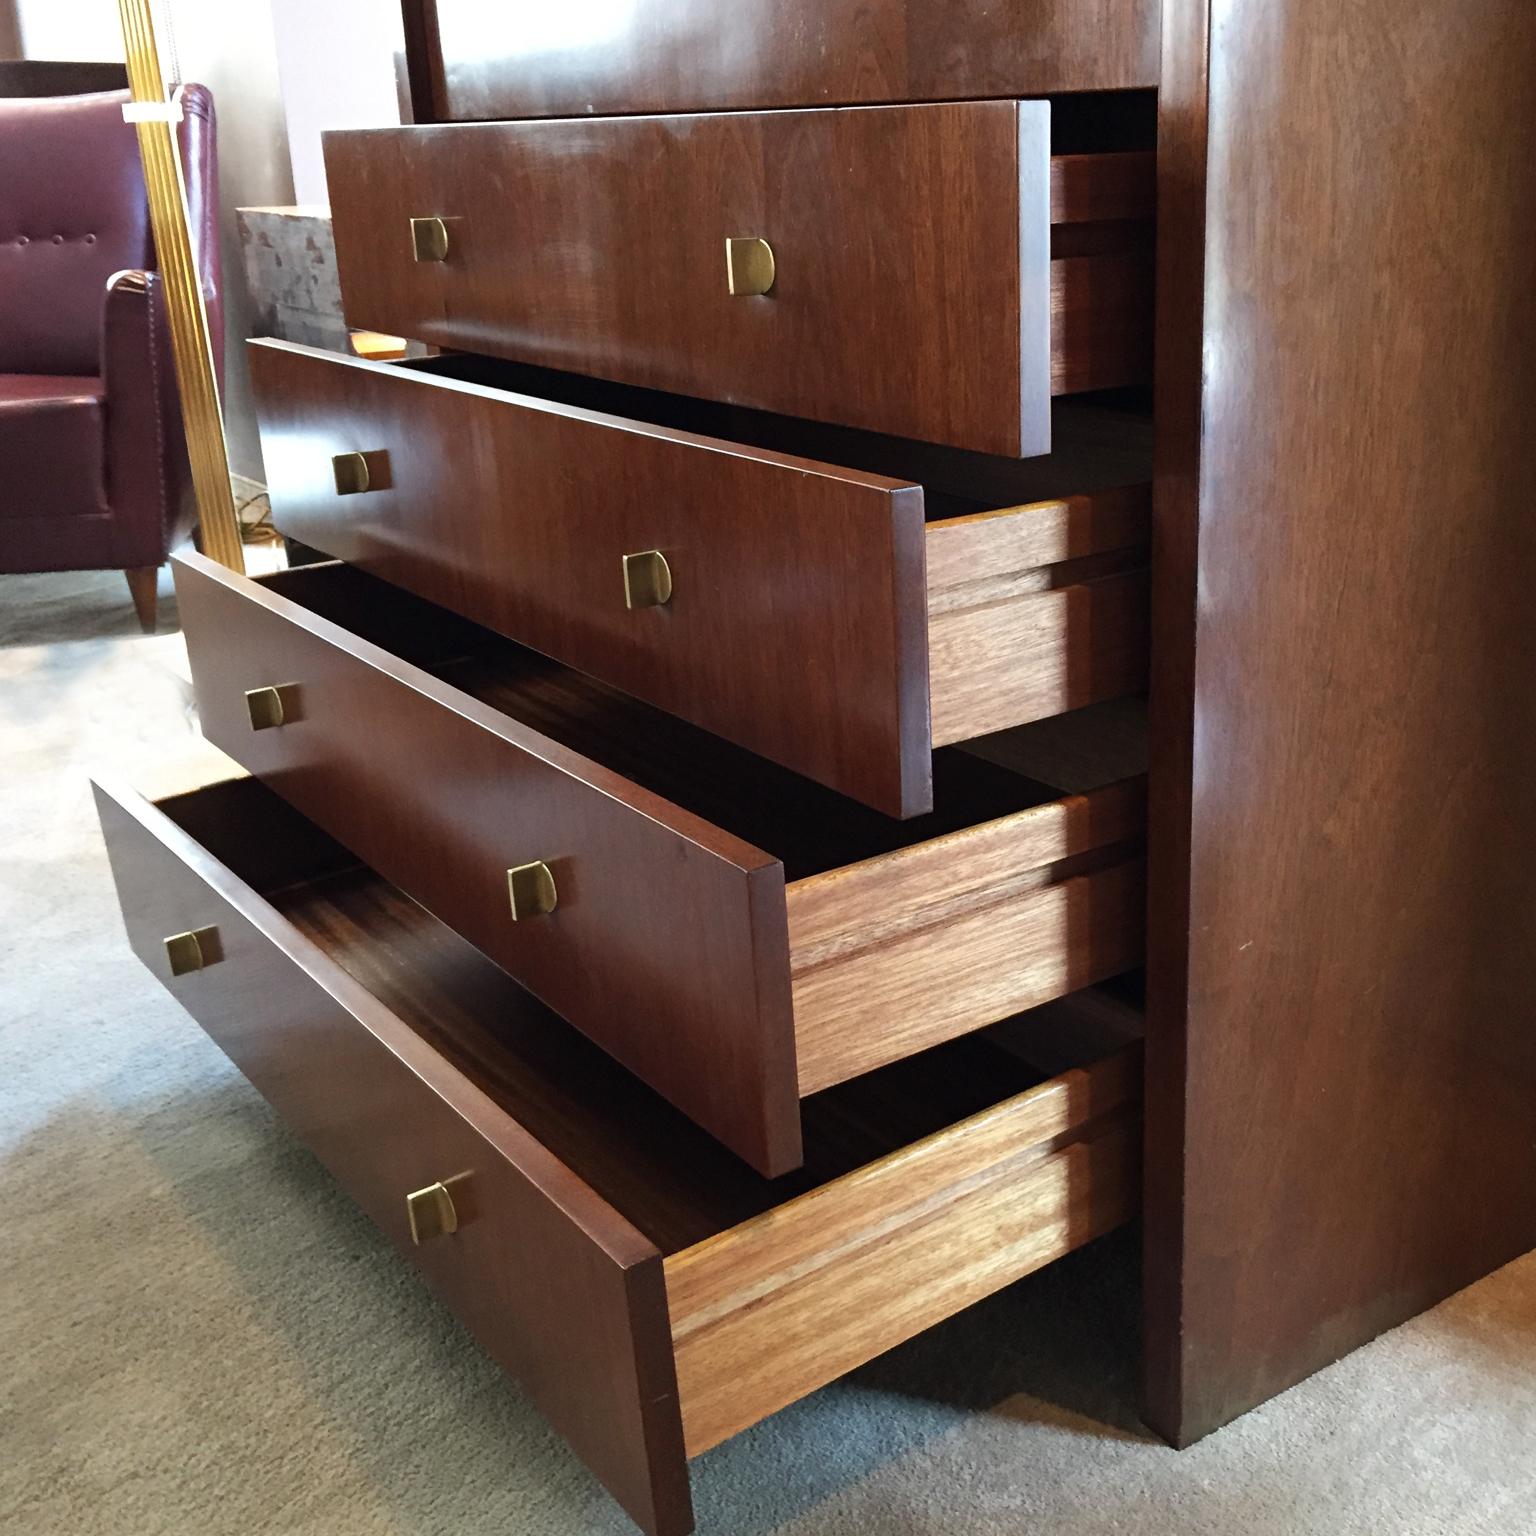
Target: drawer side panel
767	1312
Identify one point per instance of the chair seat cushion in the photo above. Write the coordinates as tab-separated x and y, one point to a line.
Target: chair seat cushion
52	442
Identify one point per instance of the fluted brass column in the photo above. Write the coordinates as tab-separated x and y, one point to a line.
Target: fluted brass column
195	372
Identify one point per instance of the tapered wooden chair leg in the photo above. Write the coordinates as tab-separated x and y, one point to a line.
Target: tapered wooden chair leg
143	583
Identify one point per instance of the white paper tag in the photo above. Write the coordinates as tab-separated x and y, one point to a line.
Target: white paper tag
152	111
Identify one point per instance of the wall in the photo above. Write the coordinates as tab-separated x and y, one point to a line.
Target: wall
336	62
231	50
69	29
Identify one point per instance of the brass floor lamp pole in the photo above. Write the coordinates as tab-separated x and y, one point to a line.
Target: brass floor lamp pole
195	373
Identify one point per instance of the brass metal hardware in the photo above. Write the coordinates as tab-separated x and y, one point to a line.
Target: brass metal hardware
749	267
429	239
193	951
431	1213
270	707
351	471
197	380
647	579
531	888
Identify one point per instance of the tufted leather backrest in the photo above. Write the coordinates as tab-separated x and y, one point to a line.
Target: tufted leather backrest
73	211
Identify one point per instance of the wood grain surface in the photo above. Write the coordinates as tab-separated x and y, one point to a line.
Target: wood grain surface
671	927
1101	443
912	977
445	795
1342	1063
1035	611
646	1159
559	1288
796	624
767	1312
399	1052
899	952
470	60
1104	189
1036	653
915	291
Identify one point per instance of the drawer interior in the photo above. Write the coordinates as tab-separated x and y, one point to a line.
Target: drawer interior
953	595
1032	1123
1097	444
811	829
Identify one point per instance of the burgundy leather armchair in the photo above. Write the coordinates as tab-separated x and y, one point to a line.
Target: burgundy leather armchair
93	464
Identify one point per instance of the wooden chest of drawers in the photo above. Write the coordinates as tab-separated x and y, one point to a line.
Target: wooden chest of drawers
704	870
813	982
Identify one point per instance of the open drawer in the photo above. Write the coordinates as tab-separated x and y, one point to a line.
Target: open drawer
840	621
736	935
929	271
652	1295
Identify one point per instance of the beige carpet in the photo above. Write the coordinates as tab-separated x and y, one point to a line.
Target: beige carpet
199	1336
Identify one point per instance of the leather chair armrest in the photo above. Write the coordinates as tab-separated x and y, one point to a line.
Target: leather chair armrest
148	481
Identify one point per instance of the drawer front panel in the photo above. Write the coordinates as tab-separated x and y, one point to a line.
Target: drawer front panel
560	1289
667	943
470	60
911	274
796	622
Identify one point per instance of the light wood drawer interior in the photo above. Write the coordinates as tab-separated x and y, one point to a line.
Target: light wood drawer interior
926	1186
955	594
861	940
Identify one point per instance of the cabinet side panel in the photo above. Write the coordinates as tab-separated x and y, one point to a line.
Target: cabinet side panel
1359	1062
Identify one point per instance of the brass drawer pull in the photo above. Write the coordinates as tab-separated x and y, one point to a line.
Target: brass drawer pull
749	267
531	888
647	580
271	707
431	1213
359	472
194	950
429	239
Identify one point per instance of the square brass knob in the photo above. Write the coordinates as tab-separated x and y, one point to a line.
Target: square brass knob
531	888
356	473
269	708
429	239
193	951
647	580
431	1213
749	267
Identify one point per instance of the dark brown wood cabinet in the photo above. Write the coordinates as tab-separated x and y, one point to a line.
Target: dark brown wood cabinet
703	870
